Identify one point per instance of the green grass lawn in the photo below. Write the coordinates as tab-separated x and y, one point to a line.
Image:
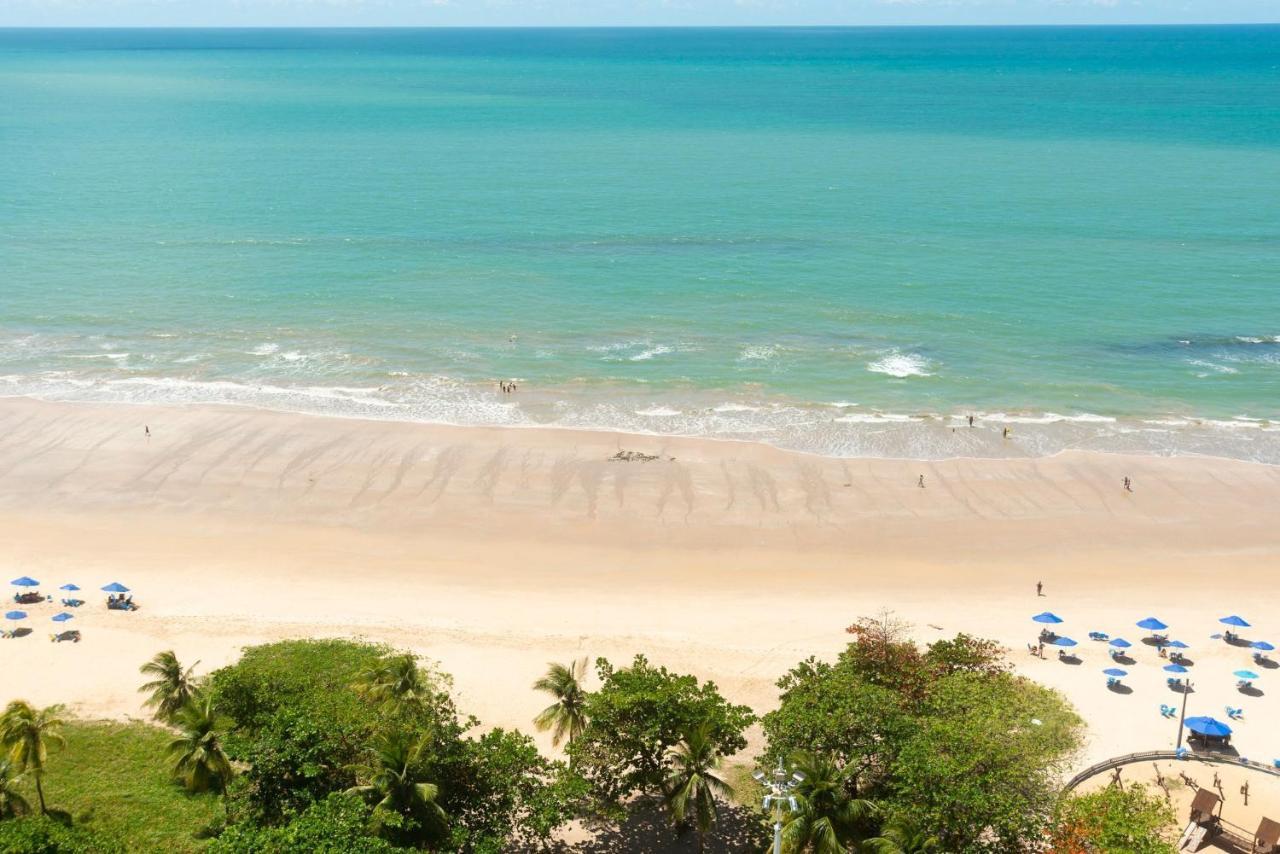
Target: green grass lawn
114	778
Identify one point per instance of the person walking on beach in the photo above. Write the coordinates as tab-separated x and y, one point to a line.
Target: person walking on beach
920	482
146	431
1128	485
1039	588
1005	433
970	420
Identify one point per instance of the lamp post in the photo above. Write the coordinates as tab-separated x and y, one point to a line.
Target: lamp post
1186	689
780	800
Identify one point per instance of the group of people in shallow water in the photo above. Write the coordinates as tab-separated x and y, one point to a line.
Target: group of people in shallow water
506	386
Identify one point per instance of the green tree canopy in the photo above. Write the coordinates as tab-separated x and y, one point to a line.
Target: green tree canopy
637	715
945	737
1117	820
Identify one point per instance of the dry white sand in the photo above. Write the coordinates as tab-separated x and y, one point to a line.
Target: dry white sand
494	551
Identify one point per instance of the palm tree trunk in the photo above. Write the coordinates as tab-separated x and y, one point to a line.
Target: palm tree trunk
40	793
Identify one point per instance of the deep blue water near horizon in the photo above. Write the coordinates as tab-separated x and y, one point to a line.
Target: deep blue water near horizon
837	240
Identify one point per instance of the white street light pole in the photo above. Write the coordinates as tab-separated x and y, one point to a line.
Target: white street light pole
780	800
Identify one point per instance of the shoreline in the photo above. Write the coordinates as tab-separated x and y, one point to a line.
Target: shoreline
494	551
1028	430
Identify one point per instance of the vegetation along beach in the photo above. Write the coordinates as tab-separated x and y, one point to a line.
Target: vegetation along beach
562	439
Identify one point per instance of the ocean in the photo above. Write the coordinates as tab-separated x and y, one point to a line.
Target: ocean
842	241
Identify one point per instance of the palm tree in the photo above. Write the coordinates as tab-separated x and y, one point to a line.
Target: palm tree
25	734
198	760
390	784
395	682
827	820
692	785
567	716
11	801
902	836
172	688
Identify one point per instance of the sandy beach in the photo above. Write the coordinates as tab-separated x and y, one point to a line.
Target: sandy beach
493	551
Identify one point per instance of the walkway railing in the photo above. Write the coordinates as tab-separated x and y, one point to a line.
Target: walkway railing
1156	755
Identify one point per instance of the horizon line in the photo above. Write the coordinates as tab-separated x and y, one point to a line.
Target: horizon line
798	26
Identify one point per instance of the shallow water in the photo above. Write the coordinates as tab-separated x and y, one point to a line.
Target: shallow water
841	241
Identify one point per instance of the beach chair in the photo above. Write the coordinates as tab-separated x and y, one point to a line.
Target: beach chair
1166	710
1112	681
1244	683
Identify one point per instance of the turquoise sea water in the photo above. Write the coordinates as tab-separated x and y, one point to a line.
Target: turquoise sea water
837	240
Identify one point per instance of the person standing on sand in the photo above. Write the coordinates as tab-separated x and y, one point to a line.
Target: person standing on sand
1128	485
1039	588
146	431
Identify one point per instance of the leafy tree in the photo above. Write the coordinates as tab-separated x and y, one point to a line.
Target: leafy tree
12	803
404	808
198	759
882	654
1116	820
336	825
832	711
45	835
692	784
501	793
638	714
396	682
171	689
981	765
566	716
301	727
965	654
947	737
26	733
827	820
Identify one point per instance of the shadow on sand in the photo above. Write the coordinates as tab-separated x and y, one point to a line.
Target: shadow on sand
1119	688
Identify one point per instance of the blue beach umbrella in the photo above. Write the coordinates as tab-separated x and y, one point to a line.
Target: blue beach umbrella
1177	644
1262	645
1047	617
1116	672
62	618
25	581
72	587
1061	641
1208	726
1245	674
1152	624
1120	643
115	587
1175	668
1233	620
16	615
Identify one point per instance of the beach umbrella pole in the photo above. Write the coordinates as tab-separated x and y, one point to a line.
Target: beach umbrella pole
1186	689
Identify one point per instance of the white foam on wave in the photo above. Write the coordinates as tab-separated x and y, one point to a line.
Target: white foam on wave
735	407
659	412
264	349
873	418
1046	418
901	365
115	357
1210	368
645	355
758	353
